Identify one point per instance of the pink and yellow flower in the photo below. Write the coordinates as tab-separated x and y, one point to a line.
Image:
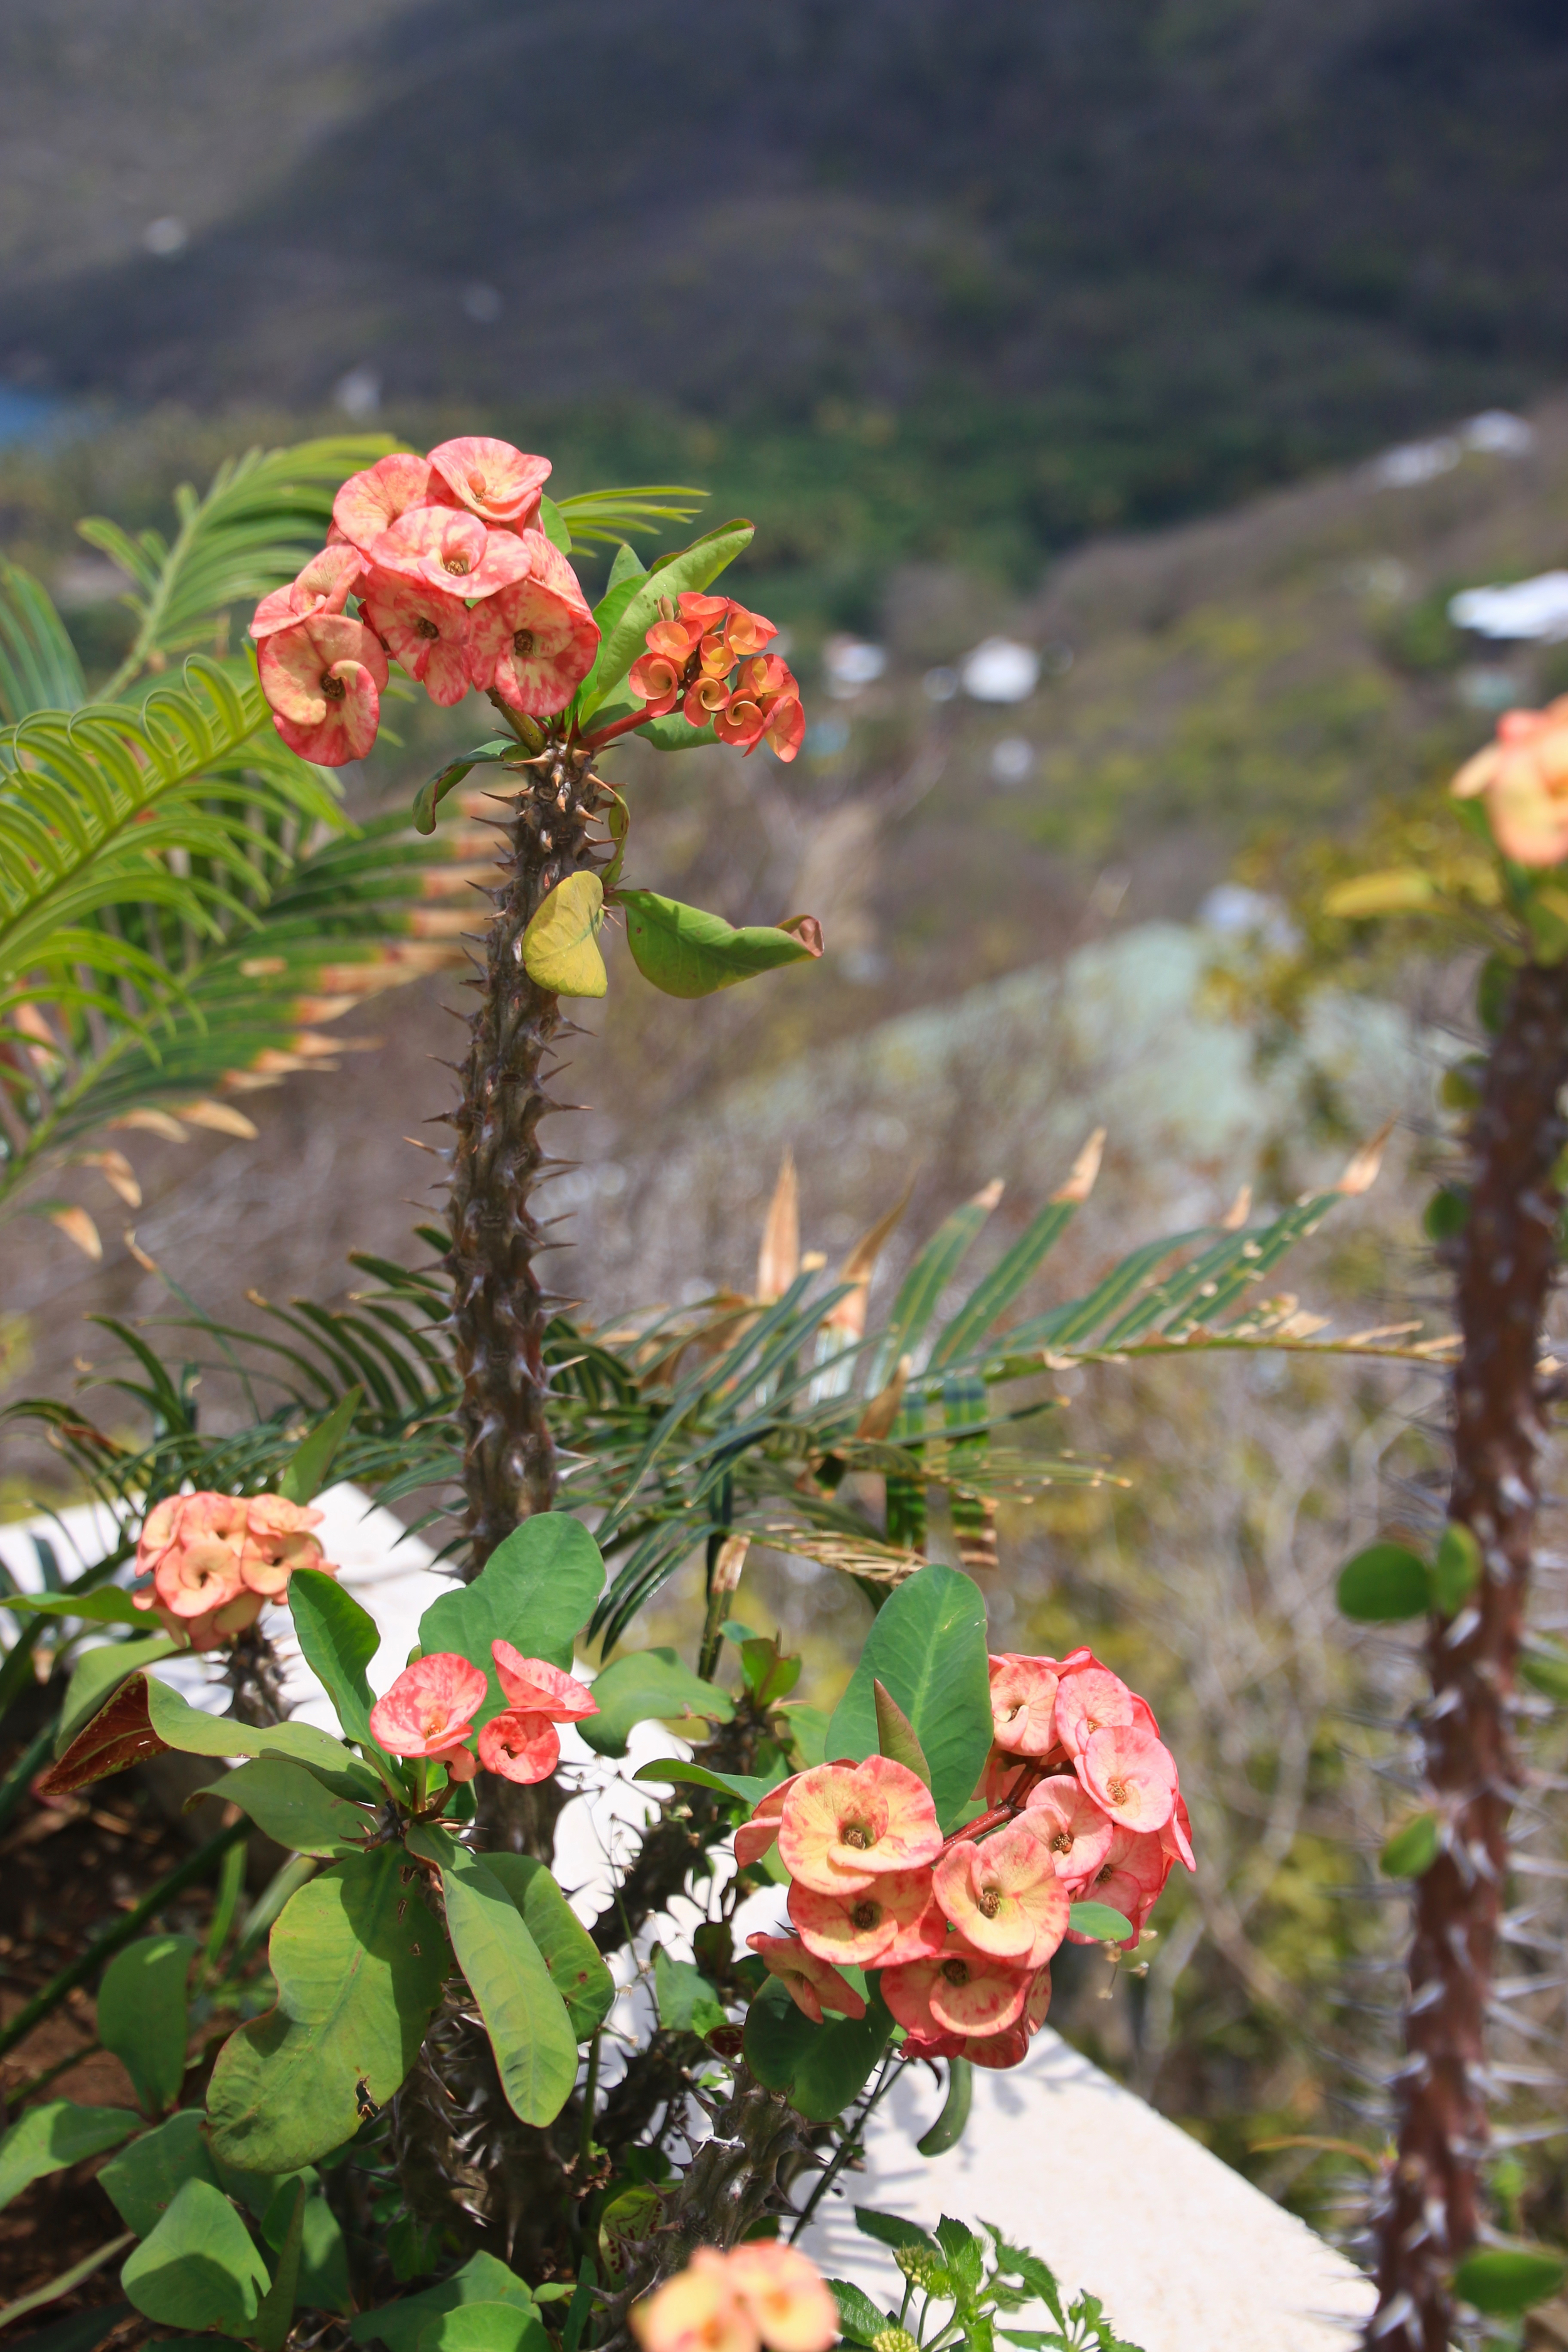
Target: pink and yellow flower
1064	1817
698	2310
214	1557
1523	779
424	628
1003	1895
520	1746
371	503
540	1688
960	1991
325	585
1130	1775
754	1838
534	643
784	2295
430	1709
655	678
813	1984
1176	1837
844	1824
493	480
895	1918
322	680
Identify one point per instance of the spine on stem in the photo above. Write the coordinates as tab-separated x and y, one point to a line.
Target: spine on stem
1505	1262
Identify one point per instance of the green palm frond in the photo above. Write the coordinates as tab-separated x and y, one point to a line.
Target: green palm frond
600	518
181	904
718	1419
39	664
262	517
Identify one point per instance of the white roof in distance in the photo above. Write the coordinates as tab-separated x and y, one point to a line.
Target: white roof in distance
1000	670
1527	610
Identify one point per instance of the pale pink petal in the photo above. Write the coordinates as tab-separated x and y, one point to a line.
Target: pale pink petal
534	642
538	1688
371	503
492	478
325	585
430	1706
424	628
813	1984
519	1747
1131	1774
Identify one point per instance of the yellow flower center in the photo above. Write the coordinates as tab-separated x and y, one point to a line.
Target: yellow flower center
1062	1841
857	1834
1117	1792
990	1903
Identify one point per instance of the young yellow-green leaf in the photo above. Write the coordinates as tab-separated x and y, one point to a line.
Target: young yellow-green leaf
144	2015
561	945
1503	2279
1457	1570
686	951
199	2269
1412	1850
1385	1584
576	1969
305	1472
896	1734
358	1961
529	2032
1399	891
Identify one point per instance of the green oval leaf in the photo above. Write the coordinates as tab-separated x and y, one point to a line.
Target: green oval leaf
577	1970
108	1606
530	2033
536	1591
359	1962
561	945
687	952
485	2327
1413	1849
822	2069
1501	2279
1100	1920
337	1640
859	2318
144	2015
1546	1669
927	1647
143	2181
896	1734
292	1808
686	1998
399	2325
47	2138
648	1686
199	2269
1384	1585
430	795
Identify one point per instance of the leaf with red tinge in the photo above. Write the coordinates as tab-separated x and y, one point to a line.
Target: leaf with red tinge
120	1734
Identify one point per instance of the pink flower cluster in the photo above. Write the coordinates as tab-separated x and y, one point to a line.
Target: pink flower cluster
706	655
759	2293
1082	1802
430	1709
215	1558
454	580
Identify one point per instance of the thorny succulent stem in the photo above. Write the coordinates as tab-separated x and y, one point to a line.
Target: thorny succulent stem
499	1304
1505	1262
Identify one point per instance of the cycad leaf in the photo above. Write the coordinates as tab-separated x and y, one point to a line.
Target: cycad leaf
38	666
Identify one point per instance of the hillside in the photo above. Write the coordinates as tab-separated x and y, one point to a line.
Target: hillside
1078	264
